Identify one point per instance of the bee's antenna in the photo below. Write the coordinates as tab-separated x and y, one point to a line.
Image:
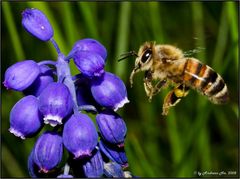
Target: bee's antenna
127	54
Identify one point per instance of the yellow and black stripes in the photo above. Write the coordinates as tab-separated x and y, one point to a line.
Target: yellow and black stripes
206	80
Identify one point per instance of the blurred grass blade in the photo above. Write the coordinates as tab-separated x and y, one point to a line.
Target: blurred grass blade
221	40
16	43
197	14
69	24
122	38
89	15
233	20
156	21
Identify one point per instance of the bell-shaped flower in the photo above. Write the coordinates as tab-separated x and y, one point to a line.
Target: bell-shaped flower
25	118
90	64
109	91
37	24
93	168
114	153
80	135
55	103
111	126
21	75
45	77
90	45
48	151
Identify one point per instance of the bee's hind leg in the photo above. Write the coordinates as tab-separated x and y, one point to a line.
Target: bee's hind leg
174	97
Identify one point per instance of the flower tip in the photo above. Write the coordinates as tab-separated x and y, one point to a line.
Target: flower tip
43	170
121	104
16	133
6	85
98	73
82	154
125	165
52	120
121	145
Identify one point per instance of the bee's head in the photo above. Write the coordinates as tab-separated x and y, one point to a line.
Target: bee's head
143	60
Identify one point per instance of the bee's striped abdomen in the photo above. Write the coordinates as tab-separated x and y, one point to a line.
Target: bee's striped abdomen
206	80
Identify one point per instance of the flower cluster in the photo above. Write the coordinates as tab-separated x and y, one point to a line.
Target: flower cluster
54	97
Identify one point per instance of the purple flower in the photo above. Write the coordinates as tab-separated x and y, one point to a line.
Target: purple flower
21	75
55	103
37	24
25	118
89	63
90	45
111	126
45	77
94	166
109	91
48	151
80	135
114	153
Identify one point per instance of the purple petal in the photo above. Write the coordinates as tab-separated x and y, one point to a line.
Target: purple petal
25	118
114	153
37	24
90	45
94	166
109	91
89	63
55	103
48	151
112	127
21	75
80	135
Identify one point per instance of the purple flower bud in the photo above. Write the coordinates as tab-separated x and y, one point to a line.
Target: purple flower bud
114	153
89	63
111	126
80	135
55	103
94	166
109	91
45	77
37	24
113	170
25	118
21	75
48	151
90	45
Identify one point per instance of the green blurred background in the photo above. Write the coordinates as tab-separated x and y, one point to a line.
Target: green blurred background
196	135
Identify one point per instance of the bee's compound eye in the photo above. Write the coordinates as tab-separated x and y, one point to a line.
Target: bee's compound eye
147	54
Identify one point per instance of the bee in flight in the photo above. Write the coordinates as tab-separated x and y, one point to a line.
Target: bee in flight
167	65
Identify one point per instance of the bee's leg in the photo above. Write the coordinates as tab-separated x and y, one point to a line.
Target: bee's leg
157	88
174	97
148	89
147	82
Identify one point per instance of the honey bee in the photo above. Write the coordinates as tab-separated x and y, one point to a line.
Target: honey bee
167	65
